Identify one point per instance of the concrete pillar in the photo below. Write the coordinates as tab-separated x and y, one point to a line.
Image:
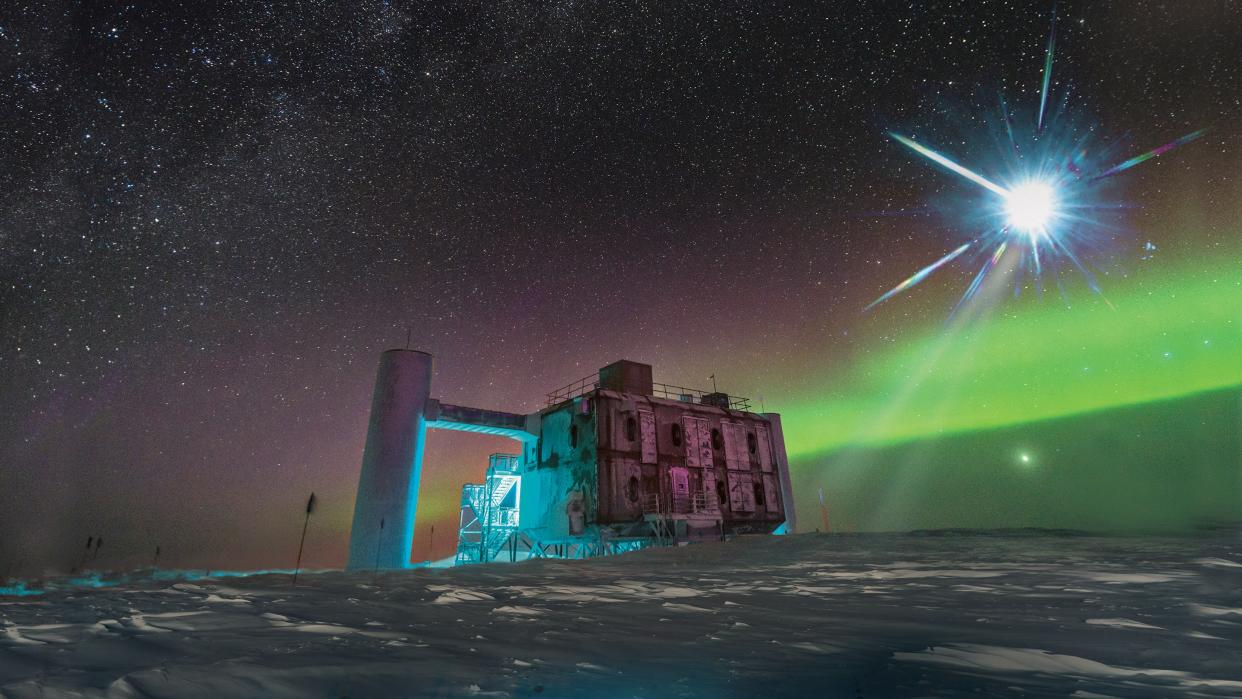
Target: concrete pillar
782	470
392	463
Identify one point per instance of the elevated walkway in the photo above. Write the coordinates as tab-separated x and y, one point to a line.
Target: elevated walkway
445	416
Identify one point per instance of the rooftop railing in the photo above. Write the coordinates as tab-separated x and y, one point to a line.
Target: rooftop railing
694	395
580	387
590	383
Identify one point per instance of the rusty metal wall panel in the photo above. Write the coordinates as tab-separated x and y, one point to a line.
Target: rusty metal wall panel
765	448
770	490
697	438
736	456
740	448
707	457
690	440
647	430
709	490
741	492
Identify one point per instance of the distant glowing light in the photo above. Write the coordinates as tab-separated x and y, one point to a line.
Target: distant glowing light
1029	208
1047	209
1024	458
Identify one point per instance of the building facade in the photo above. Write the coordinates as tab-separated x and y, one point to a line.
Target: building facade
613	463
629	457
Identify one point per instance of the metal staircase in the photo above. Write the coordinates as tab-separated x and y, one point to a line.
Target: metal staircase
490	517
489	511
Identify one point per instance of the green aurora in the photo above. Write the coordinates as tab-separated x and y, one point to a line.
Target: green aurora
1176	335
1123	418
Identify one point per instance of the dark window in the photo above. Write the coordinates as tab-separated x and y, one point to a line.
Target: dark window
676	434
717	440
631	428
632	490
722	494
759	499
573	436
751	443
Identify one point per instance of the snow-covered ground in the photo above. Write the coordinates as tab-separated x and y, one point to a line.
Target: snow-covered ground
811	615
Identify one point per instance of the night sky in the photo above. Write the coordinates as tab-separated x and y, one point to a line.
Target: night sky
214	216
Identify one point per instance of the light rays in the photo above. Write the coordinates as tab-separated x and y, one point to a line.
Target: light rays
920	275
1150	154
948	164
983	273
1045	206
1043	94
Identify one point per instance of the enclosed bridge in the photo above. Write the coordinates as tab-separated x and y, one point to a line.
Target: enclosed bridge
613	463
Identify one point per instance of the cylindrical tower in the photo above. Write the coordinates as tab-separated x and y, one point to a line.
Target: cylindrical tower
392	462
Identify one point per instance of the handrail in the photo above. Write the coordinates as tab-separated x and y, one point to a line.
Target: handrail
590	383
694	503
580	387
694	395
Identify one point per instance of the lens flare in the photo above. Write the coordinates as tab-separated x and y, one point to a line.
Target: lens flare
1030	208
1047	206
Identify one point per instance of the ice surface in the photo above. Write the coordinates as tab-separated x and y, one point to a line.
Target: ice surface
1121	623
809	616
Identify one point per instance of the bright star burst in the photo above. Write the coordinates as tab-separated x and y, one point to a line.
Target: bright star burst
1046	209
1030	207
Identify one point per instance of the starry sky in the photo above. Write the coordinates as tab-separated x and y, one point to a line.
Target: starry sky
214	216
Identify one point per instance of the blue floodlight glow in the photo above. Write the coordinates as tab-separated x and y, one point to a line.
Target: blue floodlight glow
18	589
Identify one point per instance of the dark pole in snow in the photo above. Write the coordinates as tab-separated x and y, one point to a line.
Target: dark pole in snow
431	543
98	544
310	507
378	540
155	563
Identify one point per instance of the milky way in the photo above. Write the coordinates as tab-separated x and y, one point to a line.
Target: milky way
214	216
